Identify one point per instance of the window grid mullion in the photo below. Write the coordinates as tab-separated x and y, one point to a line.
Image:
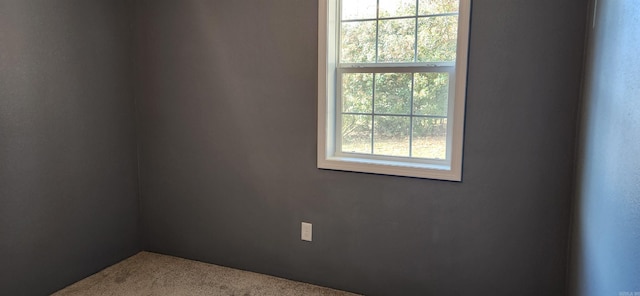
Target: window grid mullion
338	33
377	27
373	109
397	115
373	102
398	69
413	76
415	36
400	17
373	98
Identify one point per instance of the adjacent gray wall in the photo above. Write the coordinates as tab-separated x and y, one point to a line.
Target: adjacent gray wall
68	189
606	244
227	105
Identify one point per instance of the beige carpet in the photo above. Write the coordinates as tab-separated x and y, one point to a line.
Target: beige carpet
153	274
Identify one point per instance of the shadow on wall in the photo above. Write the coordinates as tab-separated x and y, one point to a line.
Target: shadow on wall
606	240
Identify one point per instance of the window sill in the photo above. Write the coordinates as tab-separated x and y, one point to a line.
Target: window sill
394	168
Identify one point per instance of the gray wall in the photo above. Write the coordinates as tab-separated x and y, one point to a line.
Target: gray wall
68	199
227	105
606	244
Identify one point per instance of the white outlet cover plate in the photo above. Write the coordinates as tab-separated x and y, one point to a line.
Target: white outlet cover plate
306	231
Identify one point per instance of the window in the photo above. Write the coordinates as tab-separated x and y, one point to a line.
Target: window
392	83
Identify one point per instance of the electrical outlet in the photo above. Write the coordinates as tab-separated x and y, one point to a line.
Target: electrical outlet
306	231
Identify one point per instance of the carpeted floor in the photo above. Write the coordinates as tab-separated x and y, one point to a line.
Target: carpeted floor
154	274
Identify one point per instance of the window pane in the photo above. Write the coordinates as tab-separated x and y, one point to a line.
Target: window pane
430	94
437	6
358	9
396	40
358	42
437	37
429	138
357	92
393	93
391	135
391	8
356	133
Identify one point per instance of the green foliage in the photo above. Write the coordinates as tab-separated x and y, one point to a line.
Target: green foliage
396	41
429	127
358	42
356	131
430	94
393	97
437	38
357	91
391	127
393	93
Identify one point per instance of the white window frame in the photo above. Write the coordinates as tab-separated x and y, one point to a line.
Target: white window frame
329	158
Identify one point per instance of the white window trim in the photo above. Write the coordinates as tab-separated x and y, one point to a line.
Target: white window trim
327	158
